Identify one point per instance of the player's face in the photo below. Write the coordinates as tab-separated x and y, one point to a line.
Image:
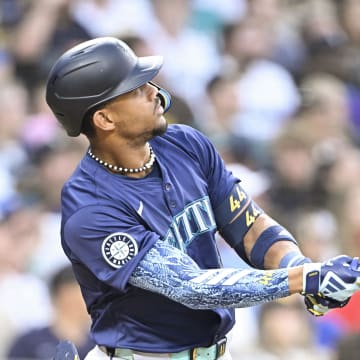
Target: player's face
138	113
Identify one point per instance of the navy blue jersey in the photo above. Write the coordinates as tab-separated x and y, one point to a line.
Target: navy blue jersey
110	221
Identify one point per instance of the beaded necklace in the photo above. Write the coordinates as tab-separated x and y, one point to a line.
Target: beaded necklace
120	169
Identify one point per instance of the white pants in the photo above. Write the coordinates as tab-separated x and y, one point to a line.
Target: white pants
97	354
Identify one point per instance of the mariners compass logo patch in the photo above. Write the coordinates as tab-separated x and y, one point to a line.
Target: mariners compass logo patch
118	249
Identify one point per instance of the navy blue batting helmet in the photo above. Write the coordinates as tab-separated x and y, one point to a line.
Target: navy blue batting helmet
93	73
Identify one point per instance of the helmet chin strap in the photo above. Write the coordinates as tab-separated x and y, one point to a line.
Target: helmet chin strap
164	96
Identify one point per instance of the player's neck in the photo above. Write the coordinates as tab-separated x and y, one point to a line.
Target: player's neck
128	160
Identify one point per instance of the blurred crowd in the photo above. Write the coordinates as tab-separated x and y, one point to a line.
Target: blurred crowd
275	84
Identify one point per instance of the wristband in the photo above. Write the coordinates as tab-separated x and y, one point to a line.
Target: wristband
311	278
293	258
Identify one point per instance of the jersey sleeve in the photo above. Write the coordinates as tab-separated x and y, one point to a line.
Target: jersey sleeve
109	241
219	179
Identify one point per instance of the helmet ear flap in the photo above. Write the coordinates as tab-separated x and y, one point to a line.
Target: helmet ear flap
164	96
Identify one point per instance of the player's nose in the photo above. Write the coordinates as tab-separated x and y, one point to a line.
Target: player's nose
153	90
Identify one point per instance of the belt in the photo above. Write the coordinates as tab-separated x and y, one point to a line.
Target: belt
212	352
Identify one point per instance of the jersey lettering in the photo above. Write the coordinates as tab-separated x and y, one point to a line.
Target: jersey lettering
195	219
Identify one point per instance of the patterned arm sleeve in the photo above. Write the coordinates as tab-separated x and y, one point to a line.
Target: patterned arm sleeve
170	272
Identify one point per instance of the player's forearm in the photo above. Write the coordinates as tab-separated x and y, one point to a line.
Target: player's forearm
170	272
276	251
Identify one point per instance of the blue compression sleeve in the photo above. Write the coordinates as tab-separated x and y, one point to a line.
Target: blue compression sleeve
168	271
293	258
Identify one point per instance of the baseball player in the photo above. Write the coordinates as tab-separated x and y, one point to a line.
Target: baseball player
140	213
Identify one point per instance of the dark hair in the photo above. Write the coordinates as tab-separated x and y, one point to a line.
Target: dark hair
348	347
61	277
87	127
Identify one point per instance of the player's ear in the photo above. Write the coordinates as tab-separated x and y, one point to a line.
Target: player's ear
102	121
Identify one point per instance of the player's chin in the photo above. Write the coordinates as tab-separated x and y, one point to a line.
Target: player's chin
160	127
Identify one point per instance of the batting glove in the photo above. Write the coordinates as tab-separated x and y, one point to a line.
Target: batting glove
337	279
319	305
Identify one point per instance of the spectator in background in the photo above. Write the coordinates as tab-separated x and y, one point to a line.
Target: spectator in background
52	164
331	38
317	234
113	17
191	58
221	106
284	333
40	126
292	174
324	108
348	14
350	218
13	112
324	38
70	321
349	347
315	41
267	93
341	180
24	300
343	200
309	147
211	16
44	31
6	65
281	19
